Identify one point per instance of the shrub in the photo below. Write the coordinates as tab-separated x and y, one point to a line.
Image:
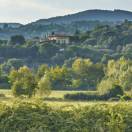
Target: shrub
104	86
109	89
126	98
17	89
44	86
114	91
22	82
81	96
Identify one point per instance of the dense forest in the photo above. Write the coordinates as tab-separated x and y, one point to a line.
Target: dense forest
100	44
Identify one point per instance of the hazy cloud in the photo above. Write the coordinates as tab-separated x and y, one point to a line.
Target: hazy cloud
25	11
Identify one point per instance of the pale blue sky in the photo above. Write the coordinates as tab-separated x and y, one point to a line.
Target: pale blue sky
25	11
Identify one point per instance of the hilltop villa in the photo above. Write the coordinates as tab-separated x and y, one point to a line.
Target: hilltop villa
61	39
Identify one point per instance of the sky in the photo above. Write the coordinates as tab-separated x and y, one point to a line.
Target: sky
26	11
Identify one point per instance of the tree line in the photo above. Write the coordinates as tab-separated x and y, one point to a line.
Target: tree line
100	44
82	75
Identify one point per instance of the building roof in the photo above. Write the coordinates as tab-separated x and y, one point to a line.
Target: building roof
59	36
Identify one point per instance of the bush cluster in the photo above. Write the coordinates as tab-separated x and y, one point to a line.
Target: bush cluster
126	98
114	92
82	96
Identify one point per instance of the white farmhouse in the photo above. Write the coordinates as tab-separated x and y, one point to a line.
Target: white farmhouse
61	39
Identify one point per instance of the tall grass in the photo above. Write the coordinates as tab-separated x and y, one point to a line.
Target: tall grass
37	117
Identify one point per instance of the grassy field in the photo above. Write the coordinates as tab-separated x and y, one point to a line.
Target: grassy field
55	99
59	115
60	94
37	117
54	94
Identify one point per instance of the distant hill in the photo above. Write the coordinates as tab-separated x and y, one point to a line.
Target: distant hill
90	15
83	21
10	25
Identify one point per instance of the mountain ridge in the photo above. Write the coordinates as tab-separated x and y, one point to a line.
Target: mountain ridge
10	25
83	21
94	14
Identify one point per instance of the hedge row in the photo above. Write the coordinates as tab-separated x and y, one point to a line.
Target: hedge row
37	117
115	92
87	97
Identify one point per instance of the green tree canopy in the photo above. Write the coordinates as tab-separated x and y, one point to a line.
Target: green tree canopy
23	82
17	39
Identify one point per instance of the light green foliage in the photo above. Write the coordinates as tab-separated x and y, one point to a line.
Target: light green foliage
37	117
80	65
126	98
23	82
88	73
117	73
44	86
76	83
41	71
104	86
17	89
82	74
120	72
53	78
60	77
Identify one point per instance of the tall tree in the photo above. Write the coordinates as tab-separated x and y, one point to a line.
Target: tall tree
23	82
120	72
41	71
17	39
86	73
